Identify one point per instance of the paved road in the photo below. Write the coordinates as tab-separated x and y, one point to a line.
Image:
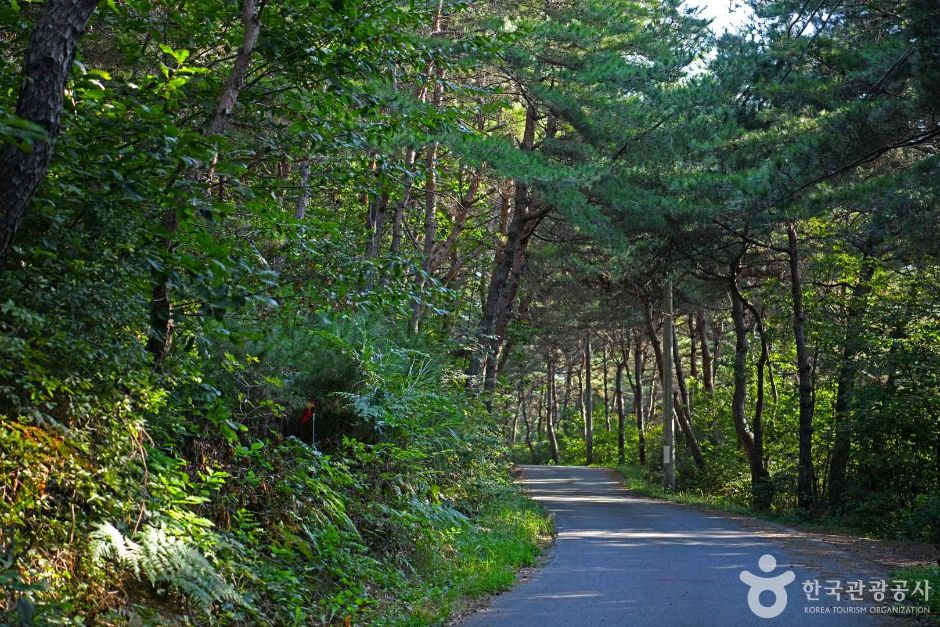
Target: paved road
626	560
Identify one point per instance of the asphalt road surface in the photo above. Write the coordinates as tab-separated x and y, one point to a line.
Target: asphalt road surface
621	559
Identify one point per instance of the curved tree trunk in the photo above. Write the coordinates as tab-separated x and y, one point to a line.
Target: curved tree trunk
505	277
161	308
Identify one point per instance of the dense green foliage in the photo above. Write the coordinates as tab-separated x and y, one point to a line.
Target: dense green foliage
204	486
299	276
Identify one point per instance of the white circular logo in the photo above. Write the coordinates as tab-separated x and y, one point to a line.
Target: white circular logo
777	585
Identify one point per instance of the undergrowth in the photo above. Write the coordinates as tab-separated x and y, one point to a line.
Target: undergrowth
211	499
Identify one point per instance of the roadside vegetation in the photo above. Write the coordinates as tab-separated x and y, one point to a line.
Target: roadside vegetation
929	574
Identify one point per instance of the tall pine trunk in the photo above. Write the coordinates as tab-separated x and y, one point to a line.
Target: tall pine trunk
806	473
505	277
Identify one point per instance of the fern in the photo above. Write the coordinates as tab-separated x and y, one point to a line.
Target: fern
162	558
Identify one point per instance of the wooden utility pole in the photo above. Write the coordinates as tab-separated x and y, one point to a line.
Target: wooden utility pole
588	402
552	408
669	449
606	401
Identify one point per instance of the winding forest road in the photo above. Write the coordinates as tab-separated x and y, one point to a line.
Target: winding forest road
622	559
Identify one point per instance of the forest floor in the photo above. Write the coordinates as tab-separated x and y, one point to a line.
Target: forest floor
620	555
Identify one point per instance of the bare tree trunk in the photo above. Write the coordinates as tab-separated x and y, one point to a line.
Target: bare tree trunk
378	210
763	364
46	66
402	205
638	358
552	408
445	247
459	218
718	331
304	198
525	421
161	309
538	418
507	271
502	223
693	355
430	201
760	479
430	218
567	399
708	377
621	414
682	388
683	412
848	370
806	473
653	338
579	404
651	406
430	230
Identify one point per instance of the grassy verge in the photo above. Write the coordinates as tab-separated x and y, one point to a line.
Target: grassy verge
636	480
481	558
